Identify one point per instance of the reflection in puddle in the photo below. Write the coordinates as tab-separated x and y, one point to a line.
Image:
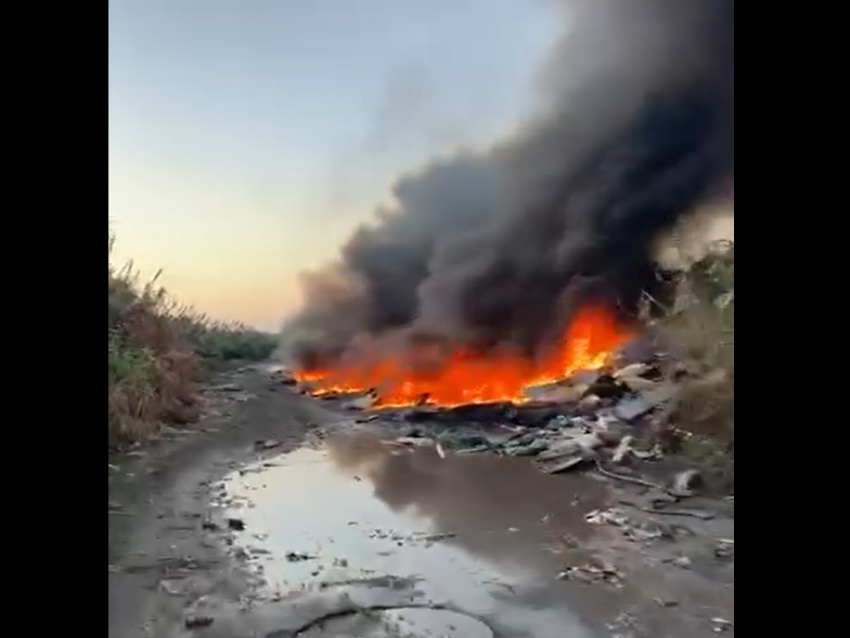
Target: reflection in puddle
481	534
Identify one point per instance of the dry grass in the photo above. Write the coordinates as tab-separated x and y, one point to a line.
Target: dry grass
700	328
158	353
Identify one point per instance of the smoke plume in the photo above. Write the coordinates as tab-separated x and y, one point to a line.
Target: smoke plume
501	245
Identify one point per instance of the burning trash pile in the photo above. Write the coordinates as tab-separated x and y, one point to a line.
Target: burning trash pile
563	423
616	397
505	284
426	374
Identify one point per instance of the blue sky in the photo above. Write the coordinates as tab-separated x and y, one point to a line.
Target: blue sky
247	137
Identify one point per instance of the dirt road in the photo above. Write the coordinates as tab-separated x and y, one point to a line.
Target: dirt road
278	516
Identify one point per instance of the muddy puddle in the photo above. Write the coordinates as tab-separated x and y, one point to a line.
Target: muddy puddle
370	539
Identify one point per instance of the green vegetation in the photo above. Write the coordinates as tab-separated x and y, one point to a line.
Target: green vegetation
159	353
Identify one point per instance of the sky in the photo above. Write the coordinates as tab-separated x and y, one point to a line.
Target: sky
248	137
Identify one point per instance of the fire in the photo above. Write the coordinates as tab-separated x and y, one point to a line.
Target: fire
463	377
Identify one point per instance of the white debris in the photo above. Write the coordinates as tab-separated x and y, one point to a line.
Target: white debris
623	449
578	444
632	370
720	625
361	403
611	516
684	482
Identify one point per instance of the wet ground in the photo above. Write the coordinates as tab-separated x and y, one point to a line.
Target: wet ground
255	528
455	532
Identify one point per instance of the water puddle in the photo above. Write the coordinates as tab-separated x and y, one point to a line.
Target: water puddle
401	542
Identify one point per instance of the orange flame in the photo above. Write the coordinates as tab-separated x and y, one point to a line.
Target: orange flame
464	377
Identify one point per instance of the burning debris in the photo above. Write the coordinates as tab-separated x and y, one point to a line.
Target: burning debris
560	430
469	377
600	430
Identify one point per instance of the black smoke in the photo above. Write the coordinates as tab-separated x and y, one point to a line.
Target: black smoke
502	245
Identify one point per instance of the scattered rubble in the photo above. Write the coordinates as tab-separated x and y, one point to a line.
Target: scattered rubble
593	572
645	401
614	417
610	516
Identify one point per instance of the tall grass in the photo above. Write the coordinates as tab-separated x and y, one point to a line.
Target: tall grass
700	326
159	351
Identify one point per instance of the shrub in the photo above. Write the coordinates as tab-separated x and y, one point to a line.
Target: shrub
700	328
158	353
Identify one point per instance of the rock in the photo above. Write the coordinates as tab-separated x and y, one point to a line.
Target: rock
197	622
297	557
682	561
236	524
268	444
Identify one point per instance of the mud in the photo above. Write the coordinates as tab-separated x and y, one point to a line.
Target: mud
461	532
254	526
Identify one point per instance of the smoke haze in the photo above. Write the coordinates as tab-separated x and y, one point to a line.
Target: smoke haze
499	245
